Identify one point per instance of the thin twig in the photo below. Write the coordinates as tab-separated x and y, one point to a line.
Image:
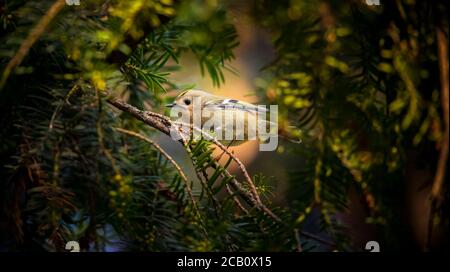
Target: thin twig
61	105
164	153
236	200
32	37
318	239
102	143
158	121
248	197
145	116
223	152
163	124
250	183
297	238
203	181
241	167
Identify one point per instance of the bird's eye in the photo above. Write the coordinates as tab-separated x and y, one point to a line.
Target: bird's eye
187	102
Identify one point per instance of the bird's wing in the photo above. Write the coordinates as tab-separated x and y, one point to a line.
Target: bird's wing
228	103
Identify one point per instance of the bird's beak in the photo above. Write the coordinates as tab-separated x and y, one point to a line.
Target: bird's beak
170	105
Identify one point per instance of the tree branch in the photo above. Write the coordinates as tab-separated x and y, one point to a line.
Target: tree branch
444	74
177	167
32	37
163	124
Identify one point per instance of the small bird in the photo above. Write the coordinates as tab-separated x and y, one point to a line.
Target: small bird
243	113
